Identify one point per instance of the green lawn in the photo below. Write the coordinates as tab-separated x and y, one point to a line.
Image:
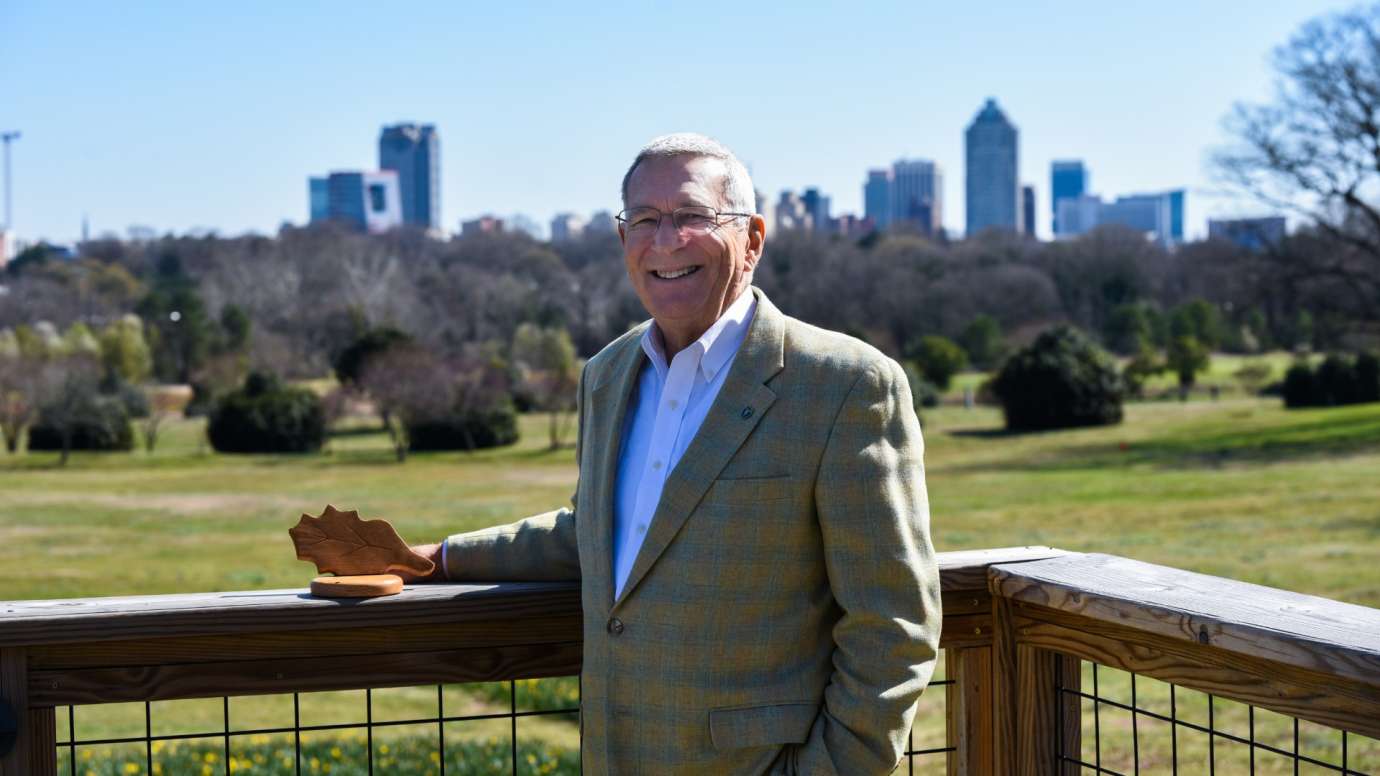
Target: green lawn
1239	488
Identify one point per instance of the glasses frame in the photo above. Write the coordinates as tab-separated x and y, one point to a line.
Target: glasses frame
675	215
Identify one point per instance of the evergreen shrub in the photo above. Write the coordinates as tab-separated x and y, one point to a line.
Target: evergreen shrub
472	429
1061	380
266	416
1337	381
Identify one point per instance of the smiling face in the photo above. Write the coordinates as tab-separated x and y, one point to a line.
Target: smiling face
687	279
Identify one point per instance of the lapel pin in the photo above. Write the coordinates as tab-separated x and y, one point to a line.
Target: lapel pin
747	413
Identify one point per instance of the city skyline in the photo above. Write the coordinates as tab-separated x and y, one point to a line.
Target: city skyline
142	116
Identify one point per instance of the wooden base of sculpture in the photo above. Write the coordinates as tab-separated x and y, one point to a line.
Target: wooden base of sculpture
361	586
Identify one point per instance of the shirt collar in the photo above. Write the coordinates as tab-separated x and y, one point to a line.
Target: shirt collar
718	343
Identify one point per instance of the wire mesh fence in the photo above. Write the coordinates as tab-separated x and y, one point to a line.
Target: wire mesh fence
497	728
513	727
1132	724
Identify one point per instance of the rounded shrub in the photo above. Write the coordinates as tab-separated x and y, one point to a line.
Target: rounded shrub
265	416
97	422
470	430
1335	382
1367	377
1061	380
1299	389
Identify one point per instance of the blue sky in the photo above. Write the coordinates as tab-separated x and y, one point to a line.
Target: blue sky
200	115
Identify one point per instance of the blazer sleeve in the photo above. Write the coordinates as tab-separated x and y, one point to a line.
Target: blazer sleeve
540	548
873	514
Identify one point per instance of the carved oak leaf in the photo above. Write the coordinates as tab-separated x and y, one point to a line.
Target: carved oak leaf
340	543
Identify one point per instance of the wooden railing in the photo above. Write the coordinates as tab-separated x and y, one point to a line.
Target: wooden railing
1017	623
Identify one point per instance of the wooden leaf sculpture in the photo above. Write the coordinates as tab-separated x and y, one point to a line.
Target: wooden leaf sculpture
340	543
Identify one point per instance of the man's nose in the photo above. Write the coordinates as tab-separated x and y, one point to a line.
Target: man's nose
667	236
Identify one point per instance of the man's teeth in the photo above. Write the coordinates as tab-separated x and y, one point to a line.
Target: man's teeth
674	273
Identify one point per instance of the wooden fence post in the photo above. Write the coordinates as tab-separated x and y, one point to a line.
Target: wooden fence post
1031	726
969	701
28	755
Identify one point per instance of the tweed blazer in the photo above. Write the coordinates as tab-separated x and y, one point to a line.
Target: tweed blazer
782	615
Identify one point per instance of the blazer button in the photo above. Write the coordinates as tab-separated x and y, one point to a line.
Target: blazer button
615	626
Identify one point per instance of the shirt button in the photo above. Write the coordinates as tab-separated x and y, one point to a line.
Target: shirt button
656	465
615	626
674	404
642	528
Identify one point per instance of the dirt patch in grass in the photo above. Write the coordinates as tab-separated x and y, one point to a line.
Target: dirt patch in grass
181	504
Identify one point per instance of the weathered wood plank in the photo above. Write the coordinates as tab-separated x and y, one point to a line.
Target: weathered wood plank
967	569
321	643
1040	716
1005	690
257	677
14	691
1285	628
966	602
42	724
1316	696
969	707
966	630
118	618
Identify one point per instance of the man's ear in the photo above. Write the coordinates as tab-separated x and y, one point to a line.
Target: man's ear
622	238
756	239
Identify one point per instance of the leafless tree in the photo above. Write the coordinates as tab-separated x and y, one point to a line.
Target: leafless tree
1315	149
71	387
409	386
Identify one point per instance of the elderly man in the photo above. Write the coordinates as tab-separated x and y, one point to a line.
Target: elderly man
750	528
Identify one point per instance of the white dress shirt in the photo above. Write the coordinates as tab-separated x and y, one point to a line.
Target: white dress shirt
664	413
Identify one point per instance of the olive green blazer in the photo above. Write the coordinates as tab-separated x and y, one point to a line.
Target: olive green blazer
783	614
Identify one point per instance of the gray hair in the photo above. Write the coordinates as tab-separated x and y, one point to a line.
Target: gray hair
738	194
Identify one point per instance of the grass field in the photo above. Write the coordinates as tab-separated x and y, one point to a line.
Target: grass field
1238	488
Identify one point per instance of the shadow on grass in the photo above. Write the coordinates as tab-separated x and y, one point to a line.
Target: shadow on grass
1300	434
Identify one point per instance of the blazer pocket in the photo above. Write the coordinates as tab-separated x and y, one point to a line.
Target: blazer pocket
767	725
751	490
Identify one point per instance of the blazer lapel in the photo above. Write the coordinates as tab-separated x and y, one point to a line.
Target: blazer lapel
609	400
736	411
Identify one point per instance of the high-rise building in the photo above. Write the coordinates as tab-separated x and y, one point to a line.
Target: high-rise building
1176	215
414	151
1028	211
762	205
877	197
1152	214
1068	179
917	194
817	205
791	213
4	247
1077	215
318	192
991	144
367	201
566	226
1253	234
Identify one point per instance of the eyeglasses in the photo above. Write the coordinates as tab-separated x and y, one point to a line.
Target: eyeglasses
693	219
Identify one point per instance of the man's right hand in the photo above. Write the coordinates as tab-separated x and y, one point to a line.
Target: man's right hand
431	552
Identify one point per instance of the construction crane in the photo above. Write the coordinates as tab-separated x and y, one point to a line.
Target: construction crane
7	138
